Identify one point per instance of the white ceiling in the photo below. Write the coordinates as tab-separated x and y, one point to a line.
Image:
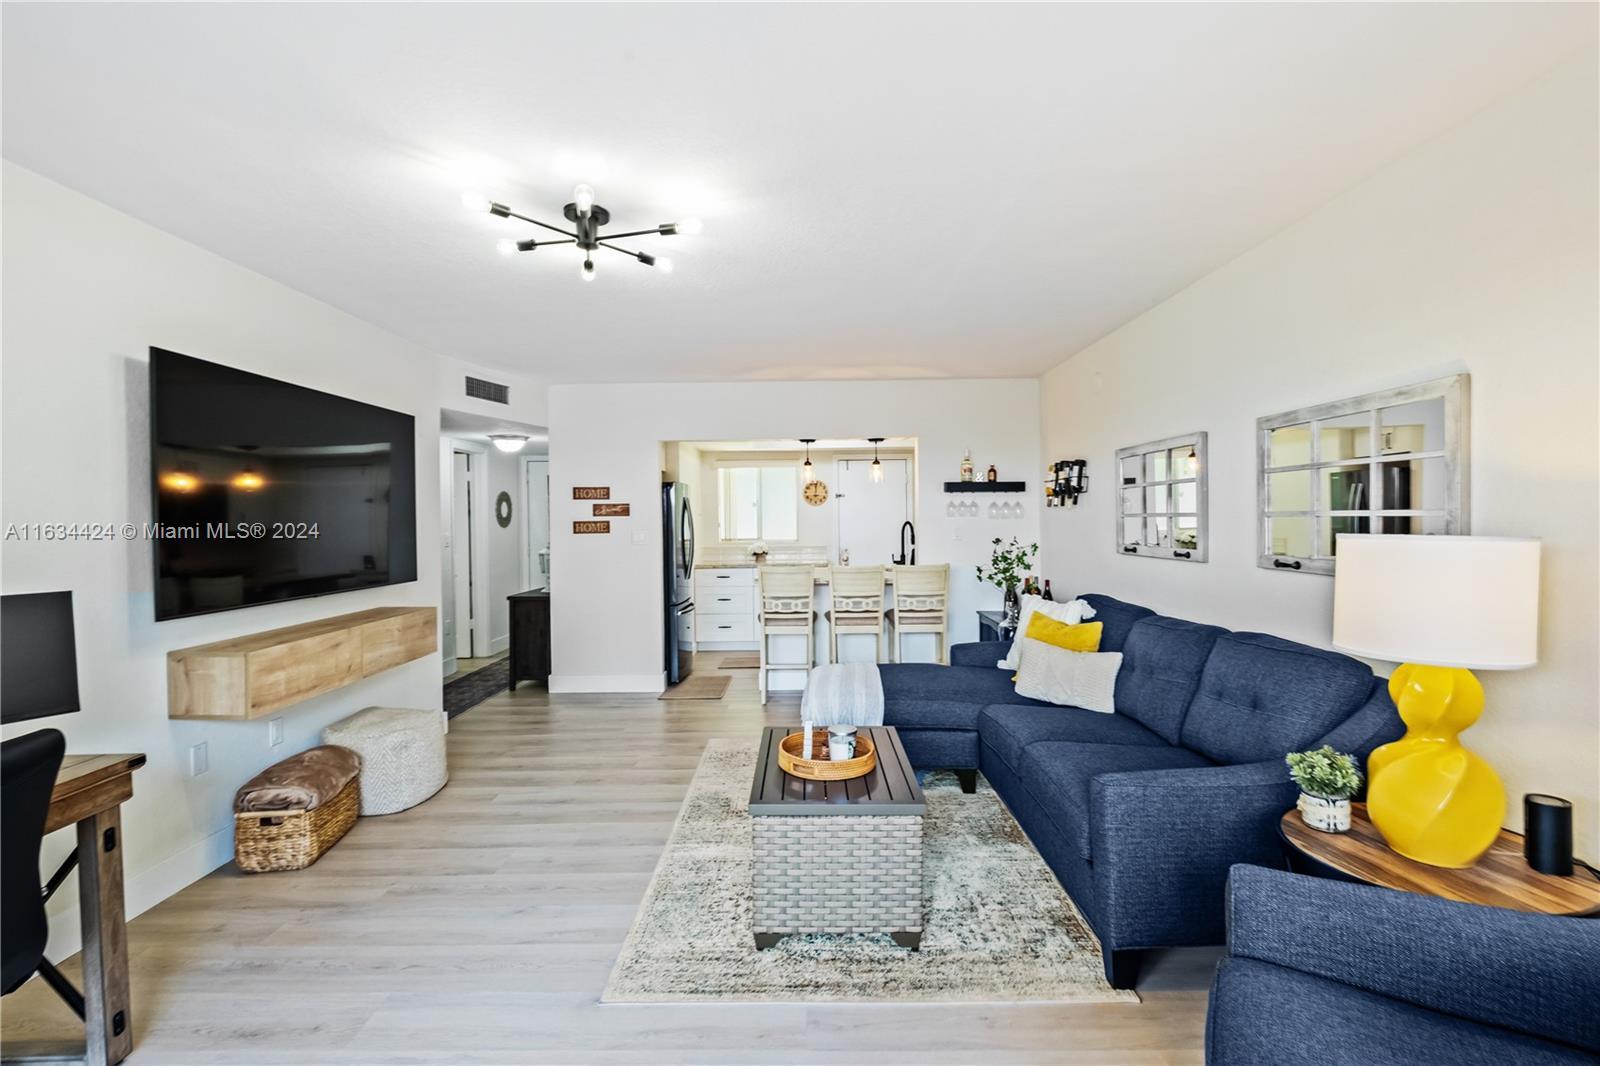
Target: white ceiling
828	444
468	425
888	190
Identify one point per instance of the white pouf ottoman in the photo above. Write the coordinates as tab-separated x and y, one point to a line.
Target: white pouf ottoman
402	755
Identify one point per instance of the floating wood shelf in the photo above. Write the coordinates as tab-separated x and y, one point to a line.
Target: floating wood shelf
986	486
249	677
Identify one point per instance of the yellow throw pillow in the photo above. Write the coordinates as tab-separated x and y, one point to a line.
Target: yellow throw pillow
1085	636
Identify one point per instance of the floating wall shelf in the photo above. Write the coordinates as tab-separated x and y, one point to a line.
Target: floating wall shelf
986	486
252	676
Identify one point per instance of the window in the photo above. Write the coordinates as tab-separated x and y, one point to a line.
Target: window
1320	475
759	502
1161	509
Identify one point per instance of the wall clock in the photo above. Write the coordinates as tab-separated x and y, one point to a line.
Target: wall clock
502	509
816	493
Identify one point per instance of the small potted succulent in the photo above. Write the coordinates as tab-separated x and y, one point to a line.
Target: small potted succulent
1327	780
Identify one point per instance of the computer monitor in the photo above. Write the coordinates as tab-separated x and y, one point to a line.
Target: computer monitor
38	657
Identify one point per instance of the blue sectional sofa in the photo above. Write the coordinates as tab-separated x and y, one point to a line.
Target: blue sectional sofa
1349	975
1141	813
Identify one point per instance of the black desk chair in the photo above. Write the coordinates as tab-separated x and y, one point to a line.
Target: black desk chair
28	768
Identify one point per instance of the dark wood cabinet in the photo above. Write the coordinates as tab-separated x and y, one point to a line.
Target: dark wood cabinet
530	636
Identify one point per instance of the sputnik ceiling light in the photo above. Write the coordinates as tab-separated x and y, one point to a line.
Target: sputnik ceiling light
586	217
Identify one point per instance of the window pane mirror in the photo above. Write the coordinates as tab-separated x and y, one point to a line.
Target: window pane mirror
1387	462
1161	502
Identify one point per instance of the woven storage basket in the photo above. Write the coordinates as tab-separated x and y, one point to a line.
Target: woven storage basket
264	841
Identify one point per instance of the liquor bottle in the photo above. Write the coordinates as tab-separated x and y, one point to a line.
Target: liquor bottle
994	475
1047	590
966	466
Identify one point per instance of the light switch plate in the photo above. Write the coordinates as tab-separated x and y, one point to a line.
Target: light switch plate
274	732
638	536
199	759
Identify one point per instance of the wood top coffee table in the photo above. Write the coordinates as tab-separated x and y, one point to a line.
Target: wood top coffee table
837	856
1502	878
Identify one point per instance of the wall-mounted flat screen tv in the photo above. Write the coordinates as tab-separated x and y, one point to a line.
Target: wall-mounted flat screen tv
266	491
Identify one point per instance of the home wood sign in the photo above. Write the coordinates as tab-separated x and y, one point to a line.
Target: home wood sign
613	510
591	492
591	527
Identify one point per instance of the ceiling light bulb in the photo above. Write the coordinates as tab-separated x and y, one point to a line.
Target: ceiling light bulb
506	246
810	473
663	264
248	481
690	226
583	198
588	270
474	201
877	471
508	442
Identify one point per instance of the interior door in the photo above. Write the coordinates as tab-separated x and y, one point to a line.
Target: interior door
869	512
461	550
538	497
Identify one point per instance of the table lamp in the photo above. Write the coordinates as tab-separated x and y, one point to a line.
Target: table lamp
1442	606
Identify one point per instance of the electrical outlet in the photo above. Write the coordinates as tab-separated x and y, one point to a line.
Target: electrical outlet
199	760
274	732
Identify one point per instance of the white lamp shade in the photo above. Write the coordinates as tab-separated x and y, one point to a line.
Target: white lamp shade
1438	601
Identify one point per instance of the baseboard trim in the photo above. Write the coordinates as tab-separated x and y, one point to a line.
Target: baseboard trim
499	644
143	890
653	684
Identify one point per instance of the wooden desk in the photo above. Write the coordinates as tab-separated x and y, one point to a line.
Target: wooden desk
1502	878
89	793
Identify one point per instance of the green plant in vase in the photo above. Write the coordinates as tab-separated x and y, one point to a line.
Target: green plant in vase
1327	780
1007	566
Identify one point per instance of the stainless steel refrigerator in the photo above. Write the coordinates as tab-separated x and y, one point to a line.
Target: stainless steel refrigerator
678	575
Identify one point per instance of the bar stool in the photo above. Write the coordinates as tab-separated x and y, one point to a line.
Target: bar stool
857	606
786	596
920	607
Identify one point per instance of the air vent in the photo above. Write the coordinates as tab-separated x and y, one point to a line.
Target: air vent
494	392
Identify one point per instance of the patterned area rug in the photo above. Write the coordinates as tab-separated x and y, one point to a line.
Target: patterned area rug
465	693
997	927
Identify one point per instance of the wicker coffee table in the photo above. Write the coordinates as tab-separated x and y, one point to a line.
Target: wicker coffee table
837	856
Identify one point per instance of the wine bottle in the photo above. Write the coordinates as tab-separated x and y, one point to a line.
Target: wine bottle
1047	590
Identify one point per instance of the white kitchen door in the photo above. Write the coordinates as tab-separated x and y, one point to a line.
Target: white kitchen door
869	512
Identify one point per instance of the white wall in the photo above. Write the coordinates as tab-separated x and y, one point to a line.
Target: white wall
87	291
506	546
606	596
1476	252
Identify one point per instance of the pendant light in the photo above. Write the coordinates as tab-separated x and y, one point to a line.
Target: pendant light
1194	462
806	469
877	467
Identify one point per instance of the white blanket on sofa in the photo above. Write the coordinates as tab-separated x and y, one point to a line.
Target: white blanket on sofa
843	694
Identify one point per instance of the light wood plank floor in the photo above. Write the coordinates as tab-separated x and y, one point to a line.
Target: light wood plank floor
481	926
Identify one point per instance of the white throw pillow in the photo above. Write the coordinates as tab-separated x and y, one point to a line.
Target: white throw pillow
1070	611
1086	679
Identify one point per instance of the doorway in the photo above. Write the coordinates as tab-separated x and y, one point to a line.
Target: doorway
870	513
467	490
536	495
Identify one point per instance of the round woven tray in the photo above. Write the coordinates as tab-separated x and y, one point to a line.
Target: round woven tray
819	767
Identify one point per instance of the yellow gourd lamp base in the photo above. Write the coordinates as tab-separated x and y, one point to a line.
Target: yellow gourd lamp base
1432	799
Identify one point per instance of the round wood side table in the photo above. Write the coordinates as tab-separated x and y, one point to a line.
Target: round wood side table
1502	878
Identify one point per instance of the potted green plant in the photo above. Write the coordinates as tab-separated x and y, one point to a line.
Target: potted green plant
1327	780
1006	567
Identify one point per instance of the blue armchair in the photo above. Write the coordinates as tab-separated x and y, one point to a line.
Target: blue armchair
1338	974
